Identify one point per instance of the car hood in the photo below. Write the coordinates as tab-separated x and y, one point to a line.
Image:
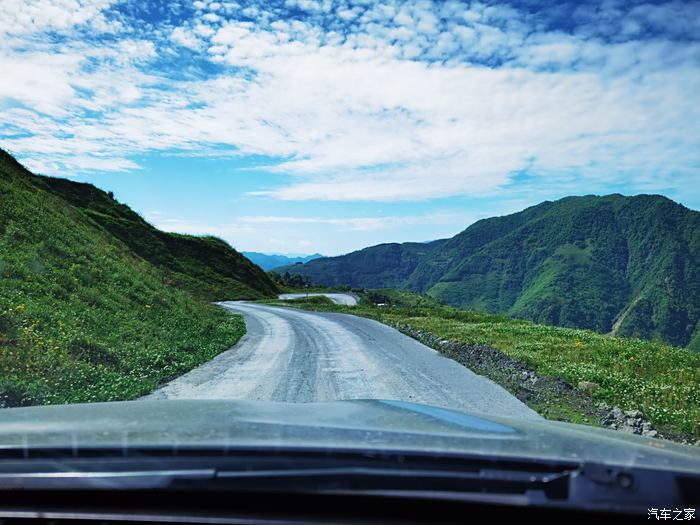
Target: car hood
356	424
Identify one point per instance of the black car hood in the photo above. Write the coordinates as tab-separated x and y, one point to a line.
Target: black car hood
357	424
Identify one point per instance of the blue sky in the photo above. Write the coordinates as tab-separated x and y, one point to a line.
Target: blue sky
311	125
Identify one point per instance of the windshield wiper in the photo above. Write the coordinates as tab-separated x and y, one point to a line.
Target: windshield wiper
412	475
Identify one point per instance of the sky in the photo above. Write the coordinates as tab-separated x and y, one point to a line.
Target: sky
305	126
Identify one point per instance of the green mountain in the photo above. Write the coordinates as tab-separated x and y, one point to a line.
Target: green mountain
381	266
627	265
95	303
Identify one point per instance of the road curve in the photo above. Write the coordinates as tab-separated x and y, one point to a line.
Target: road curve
345	299
293	355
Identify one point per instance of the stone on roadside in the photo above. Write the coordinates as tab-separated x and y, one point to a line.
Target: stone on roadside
588	386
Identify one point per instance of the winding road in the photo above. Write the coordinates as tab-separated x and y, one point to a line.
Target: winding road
293	355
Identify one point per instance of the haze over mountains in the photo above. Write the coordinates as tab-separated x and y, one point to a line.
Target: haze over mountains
270	261
626	265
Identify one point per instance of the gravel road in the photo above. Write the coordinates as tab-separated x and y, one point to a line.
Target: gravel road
298	356
338	298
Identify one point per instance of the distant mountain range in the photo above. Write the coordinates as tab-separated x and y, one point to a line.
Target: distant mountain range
615	264
274	260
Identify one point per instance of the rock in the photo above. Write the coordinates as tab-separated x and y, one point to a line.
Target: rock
588	386
617	413
630	421
650	433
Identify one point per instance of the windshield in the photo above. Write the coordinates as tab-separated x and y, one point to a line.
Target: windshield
480	210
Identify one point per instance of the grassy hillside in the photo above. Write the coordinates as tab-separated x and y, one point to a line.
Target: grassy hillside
205	266
660	380
87	308
627	265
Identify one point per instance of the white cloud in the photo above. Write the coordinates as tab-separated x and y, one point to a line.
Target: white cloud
305	5
489	92
347	14
211	17
22	17
40	80
188	38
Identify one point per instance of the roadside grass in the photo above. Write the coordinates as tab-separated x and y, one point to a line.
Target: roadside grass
78	354
662	381
63	343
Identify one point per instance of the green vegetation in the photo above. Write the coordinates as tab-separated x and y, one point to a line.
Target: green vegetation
660	380
97	305
628	265
286	281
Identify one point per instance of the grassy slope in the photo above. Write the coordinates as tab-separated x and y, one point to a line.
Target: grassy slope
82	317
578	262
661	380
205	266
